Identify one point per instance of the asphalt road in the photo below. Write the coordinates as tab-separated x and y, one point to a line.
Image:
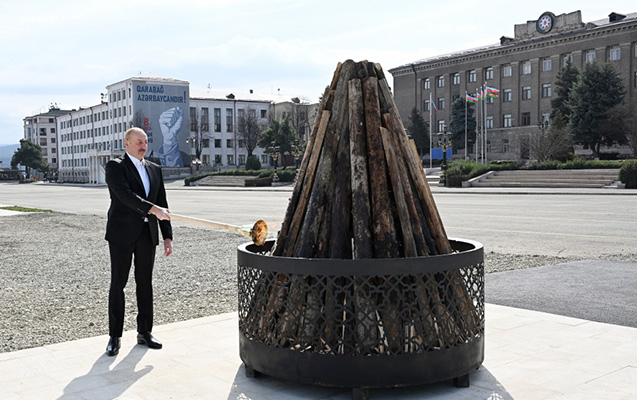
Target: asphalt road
556	223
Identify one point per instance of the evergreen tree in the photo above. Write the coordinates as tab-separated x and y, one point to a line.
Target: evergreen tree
279	135
418	131
457	124
598	90
565	79
29	155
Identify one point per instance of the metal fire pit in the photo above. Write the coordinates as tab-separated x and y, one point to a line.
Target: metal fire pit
344	332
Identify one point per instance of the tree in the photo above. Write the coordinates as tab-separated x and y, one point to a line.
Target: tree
564	82
418	131
554	143
457	124
249	129
599	88
29	155
280	137
199	132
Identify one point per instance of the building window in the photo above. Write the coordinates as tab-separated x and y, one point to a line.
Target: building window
441	125
488	73
526	119
441	103
426	84
425	105
615	53
473	75
456	79
229	143
264	113
229	120
193	119
218	159
264	159
506	95
230	158
566	58
526	93
591	55
441	81
218	144
217	120
547	64
635	80
526	67
490	122
505	145
506	70
506	121
205	120
546	90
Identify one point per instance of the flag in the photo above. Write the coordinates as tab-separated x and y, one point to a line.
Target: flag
433	104
492	92
479	95
471	99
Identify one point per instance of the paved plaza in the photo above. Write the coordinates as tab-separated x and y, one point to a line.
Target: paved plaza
564	331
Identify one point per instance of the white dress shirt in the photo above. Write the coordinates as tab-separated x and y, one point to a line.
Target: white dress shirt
141	169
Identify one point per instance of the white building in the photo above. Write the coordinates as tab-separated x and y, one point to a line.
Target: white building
164	107
41	129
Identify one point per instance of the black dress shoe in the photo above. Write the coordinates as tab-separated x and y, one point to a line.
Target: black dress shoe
149	340
113	346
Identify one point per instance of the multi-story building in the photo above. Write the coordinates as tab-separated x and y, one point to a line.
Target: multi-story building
41	129
523	69
173	118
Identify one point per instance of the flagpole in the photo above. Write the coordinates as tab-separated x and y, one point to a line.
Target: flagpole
431	160
478	123
485	124
466	106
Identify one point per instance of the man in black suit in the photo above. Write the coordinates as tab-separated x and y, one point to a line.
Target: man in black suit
138	202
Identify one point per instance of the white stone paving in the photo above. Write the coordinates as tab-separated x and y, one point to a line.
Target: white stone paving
529	355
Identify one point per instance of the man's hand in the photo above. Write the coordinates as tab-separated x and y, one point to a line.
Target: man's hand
168	247
160	212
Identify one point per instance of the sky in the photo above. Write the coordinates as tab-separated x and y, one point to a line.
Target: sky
66	52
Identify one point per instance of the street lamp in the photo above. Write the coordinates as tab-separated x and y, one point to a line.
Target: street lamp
297	151
444	143
273	151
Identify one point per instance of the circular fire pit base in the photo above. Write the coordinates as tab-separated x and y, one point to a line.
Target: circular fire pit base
362	324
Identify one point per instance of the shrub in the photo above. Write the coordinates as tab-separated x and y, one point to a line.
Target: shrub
253	163
628	174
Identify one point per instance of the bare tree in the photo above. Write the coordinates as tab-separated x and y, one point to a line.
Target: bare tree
249	129
300	117
199	131
554	142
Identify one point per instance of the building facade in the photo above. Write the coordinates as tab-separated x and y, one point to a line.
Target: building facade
41	129
523	69
186	131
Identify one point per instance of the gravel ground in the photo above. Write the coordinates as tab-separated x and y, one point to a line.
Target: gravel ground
55	272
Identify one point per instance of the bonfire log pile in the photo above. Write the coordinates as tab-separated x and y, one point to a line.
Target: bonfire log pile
361	193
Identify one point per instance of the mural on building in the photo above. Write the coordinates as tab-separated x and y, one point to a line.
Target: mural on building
162	107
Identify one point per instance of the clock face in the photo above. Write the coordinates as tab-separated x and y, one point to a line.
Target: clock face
545	23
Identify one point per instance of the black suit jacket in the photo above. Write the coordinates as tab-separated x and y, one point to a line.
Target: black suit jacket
129	204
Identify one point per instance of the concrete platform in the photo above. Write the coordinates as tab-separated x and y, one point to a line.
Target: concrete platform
529	355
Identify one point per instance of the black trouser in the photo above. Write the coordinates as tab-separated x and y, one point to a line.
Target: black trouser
121	256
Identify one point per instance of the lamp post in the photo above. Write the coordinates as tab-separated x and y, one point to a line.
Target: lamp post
297	150
273	151
444	143
196	163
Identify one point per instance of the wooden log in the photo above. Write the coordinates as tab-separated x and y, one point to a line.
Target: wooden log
318	210
384	239
399	194
361	210
286	247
